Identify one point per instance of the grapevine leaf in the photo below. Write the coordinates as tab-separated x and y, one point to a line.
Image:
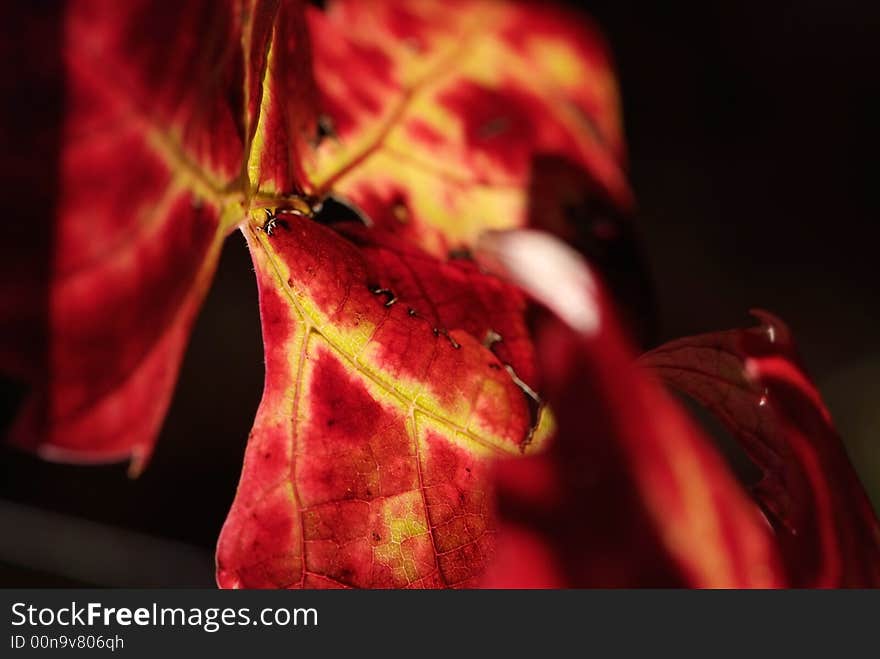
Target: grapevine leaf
753	380
381	411
435	113
176	122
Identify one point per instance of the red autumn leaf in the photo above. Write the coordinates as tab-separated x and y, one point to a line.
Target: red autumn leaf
630	493
381	411
440	109
163	146
753	380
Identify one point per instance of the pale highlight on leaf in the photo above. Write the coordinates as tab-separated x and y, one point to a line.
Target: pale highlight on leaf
548	270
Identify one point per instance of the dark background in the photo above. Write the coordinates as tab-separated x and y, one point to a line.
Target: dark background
753	139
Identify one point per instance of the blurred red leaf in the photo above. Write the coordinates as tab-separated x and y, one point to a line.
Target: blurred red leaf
439	109
163	147
753	380
630	493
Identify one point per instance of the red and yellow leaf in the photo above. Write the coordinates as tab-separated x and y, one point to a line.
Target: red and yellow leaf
393	374
439	110
280	97
630	493
752	379
381	411
162	151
